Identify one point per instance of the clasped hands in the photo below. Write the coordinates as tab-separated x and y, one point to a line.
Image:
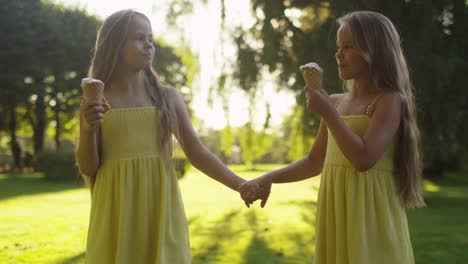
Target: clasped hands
256	189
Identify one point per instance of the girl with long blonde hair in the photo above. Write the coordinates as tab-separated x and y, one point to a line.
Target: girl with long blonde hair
366	150
137	214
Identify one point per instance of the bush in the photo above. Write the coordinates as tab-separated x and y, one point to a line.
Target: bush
181	166
57	165
60	165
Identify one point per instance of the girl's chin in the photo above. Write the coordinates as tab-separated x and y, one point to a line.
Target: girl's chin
344	77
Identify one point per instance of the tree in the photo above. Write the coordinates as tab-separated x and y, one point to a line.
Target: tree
48	49
288	34
18	54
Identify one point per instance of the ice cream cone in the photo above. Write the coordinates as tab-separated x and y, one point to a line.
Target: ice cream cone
93	90
312	74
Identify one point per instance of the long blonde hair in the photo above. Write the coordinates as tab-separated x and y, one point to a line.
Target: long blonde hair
110	40
379	43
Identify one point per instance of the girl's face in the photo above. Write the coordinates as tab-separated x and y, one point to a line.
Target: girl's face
351	64
138	49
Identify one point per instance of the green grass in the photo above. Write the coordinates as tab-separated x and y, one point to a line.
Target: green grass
439	233
46	222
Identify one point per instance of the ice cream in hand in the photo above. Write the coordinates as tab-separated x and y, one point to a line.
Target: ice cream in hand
93	90
312	74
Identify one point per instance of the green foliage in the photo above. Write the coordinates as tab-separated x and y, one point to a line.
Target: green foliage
169	65
178	8
288	34
48	49
189	64
247	61
180	162
299	142
181	166
211	139
177	67
247	145
57	165
227	140
254	145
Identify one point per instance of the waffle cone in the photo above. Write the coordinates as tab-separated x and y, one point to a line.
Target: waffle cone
93	90
312	75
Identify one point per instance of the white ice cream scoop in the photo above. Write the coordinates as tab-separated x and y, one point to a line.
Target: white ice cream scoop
93	90
312	74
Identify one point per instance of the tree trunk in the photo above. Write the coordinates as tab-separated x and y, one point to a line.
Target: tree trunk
40	126
58	126
16	149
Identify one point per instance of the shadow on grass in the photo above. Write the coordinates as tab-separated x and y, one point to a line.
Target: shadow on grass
258	251
219	231
305	238
15	185
79	258
262	241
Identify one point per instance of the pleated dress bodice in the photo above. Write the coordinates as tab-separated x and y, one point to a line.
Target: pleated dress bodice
360	218
137	213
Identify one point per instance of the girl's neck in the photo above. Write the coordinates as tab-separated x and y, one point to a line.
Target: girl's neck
362	88
127	81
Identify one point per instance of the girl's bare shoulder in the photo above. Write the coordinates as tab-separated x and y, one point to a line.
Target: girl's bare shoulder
173	94
389	99
389	102
335	97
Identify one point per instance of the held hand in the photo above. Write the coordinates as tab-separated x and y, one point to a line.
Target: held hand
249	192
265	190
264	184
318	101
93	113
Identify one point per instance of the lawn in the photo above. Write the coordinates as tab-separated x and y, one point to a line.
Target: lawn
45	222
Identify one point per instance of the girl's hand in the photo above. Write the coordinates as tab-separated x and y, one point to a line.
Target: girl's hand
249	192
93	113
264	184
318	101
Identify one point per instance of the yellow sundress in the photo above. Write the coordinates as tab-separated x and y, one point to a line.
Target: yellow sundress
360	219
137	214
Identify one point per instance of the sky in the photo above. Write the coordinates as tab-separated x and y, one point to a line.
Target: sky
201	31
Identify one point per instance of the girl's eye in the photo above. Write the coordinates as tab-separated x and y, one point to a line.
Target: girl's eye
140	37
344	47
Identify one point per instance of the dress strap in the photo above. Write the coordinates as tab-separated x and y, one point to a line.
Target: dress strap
338	100
106	103
371	107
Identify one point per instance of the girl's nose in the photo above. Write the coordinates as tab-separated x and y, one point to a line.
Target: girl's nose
338	54
149	44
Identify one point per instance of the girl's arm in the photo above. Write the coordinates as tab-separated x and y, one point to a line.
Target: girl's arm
364	152
87	152
311	165
308	167
196	153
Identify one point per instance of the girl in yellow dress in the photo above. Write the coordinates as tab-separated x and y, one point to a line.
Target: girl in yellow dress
366	149
137	215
